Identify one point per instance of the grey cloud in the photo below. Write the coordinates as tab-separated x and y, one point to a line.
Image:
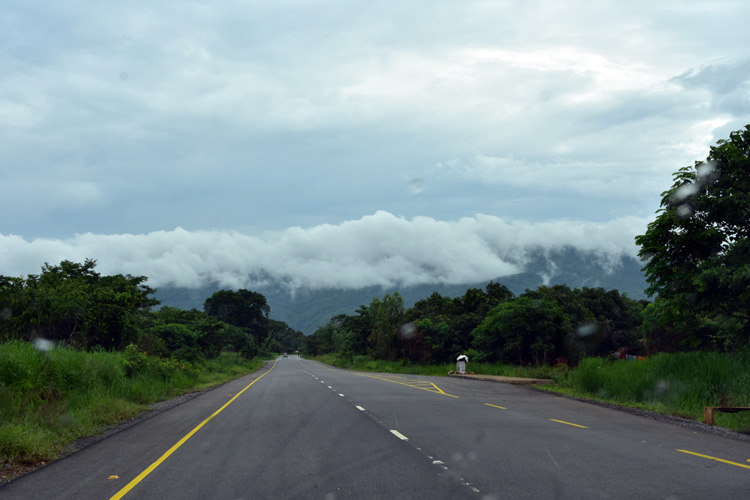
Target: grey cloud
728	81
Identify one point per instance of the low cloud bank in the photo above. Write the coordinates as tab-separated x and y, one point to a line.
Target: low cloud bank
380	249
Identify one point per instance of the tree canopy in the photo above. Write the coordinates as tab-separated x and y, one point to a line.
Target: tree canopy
492	325
241	308
72	302
697	251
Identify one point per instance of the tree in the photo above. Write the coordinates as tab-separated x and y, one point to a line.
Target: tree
210	333
118	303
387	315
243	309
283	338
72	303
697	251
524	330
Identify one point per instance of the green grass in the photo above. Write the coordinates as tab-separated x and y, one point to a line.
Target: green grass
367	364
48	400
679	384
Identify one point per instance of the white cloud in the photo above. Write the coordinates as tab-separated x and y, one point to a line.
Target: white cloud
379	249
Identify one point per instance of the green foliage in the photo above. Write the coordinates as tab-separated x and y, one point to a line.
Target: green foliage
698	248
241	308
51	398
386	317
282	338
73	303
524	331
548	323
678	383
180	340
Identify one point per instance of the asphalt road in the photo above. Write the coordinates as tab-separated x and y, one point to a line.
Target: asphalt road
299	429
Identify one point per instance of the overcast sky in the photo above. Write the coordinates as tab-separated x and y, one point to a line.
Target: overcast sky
351	143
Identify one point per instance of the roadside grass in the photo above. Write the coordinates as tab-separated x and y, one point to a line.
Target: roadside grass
679	384
50	399
367	364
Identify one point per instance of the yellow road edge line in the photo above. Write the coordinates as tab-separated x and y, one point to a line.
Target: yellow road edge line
714	458
126	489
495	406
568	423
408	385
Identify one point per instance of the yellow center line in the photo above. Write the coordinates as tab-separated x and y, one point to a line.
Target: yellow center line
435	390
179	443
495	406
568	423
714	458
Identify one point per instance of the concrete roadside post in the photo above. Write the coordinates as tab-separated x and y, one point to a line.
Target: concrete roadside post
461	364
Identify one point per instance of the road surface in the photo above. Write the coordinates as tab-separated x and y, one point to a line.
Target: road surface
300	429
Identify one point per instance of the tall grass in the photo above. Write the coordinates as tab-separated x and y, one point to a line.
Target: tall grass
50	399
679	384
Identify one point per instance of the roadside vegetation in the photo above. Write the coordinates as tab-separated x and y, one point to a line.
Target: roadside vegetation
679	384
51	398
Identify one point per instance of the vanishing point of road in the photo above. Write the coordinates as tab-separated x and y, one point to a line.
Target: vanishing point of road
300	429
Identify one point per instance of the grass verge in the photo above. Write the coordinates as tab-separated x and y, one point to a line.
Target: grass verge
679	384
49	400
367	364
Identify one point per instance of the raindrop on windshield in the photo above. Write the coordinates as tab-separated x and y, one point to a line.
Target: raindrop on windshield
43	345
407	330
586	329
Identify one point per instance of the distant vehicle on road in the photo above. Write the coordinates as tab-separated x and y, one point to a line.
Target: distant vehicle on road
286	355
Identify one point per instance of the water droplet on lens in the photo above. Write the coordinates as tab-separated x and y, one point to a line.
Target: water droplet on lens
407	330
587	329
43	344
686	191
685	210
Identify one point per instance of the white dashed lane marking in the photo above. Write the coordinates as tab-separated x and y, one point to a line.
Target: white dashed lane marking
396	433
399	435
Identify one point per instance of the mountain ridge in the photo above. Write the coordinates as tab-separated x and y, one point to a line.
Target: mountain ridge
306	310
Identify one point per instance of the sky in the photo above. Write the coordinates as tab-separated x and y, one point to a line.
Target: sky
347	143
